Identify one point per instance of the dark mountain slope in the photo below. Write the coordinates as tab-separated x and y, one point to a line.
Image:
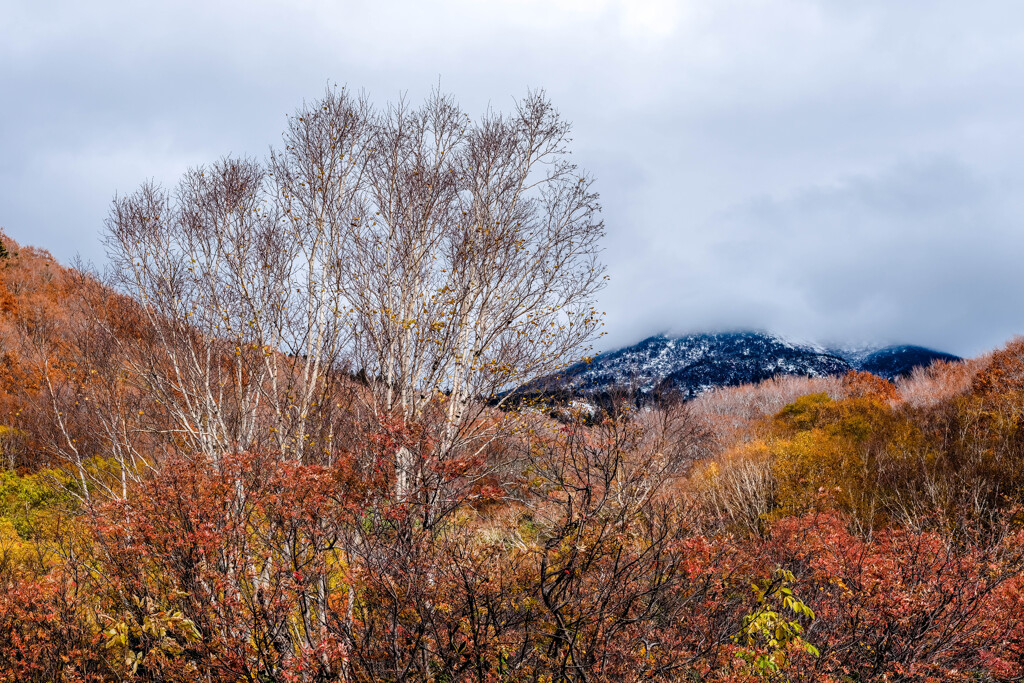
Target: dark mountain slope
899	361
689	365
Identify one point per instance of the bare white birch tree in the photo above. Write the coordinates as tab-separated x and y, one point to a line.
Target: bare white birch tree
446	258
246	334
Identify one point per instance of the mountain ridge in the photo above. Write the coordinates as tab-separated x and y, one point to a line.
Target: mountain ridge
689	365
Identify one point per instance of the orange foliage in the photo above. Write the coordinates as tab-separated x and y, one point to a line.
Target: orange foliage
866	385
1003	372
565	552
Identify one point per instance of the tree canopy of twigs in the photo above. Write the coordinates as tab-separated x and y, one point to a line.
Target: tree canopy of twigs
443	258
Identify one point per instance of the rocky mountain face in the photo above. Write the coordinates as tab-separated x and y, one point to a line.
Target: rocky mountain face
690	365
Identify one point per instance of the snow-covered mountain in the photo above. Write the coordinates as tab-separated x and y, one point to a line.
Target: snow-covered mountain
692	364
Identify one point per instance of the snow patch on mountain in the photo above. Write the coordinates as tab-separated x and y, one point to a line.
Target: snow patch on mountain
692	364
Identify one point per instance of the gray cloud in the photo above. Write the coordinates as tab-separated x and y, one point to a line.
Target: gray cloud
923	252
824	169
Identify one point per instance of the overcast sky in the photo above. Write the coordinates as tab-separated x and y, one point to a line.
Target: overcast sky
848	171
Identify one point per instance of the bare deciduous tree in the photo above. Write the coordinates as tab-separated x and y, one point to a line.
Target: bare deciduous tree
445	258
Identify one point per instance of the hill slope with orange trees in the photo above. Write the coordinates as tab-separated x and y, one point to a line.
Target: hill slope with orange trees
833	529
39	303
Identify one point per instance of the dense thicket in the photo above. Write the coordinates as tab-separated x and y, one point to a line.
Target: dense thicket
802	530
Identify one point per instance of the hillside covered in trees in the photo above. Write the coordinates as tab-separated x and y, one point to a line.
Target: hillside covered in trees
829	529
273	443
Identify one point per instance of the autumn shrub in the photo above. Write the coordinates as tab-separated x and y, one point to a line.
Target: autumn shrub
734	413
837	451
906	604
737	489
49	632
276	572
930	385
878	460
29	501
246	561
